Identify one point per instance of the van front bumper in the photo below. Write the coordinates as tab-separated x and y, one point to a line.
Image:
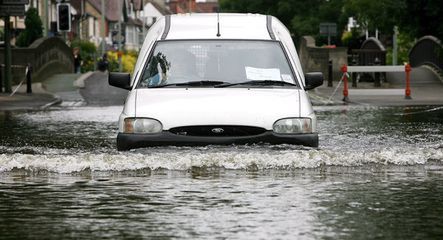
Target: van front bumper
127	141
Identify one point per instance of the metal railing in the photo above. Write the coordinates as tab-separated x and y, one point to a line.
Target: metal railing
375	69
27	78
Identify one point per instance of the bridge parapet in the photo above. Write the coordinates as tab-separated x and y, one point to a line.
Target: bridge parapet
428	50
48	56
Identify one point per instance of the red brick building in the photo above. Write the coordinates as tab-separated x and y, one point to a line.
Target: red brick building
191	6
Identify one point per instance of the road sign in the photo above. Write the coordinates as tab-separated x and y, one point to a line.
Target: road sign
14	2
118	38
12	10
328	29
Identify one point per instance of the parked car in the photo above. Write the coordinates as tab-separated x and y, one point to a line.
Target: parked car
217	79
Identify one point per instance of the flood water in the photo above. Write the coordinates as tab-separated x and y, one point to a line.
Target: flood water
378	174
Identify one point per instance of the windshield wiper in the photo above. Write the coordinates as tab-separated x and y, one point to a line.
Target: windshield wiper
202	83
259	83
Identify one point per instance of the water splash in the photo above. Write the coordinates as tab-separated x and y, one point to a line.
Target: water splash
233	158
83	139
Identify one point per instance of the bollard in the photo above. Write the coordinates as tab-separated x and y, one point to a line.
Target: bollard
354	74
344	69
28	78
330	73
377	82
408	79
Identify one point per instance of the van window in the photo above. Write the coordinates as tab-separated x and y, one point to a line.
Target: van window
226	61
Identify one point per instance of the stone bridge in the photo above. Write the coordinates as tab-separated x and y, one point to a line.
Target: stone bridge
47	56
428	51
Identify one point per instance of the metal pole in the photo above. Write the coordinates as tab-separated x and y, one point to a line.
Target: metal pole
45	18
395	47
354	74
330	73
344	70
144	29
103	26
119	38
8	73
80	22
377	82
1	79
408	81
28	79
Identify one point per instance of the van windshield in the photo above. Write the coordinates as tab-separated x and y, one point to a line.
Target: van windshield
210	63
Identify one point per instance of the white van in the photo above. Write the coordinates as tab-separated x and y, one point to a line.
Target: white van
217	79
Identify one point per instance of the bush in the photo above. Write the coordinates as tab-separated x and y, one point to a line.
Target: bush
405	43
351	39
33	30
88	53
90	57
129	59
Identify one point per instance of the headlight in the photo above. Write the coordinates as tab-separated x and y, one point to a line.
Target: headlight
293	125
142	125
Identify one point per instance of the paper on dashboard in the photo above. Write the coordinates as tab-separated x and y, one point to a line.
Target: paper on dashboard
262	73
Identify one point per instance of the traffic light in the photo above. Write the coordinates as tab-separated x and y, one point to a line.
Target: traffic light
63	17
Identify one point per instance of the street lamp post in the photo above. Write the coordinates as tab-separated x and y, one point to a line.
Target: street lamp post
119	41
45	18
103	26
8	72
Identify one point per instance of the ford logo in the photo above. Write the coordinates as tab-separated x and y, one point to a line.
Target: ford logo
217	130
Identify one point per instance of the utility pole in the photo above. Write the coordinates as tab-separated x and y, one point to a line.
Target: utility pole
119	38
45	18
80	23
103	27
9	8
8	72
144	29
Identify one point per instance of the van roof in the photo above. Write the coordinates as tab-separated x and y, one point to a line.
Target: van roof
232	26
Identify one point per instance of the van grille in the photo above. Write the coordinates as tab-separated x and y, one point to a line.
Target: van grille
217	131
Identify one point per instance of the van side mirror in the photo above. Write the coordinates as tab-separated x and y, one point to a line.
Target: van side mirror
313	80
120	80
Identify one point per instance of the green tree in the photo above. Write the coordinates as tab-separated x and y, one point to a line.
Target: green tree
415	18
423	17
371	15
33	30
300	16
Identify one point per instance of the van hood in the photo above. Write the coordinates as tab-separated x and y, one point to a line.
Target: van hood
175	107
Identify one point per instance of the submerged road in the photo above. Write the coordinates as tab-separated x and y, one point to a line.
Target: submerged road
377	174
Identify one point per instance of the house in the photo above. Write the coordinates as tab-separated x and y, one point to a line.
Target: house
122	13
153	10
192	6
133	24
86	16
133	16
208	6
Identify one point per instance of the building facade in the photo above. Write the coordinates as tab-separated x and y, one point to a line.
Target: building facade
130	17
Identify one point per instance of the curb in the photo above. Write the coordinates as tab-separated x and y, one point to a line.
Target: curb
56	101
